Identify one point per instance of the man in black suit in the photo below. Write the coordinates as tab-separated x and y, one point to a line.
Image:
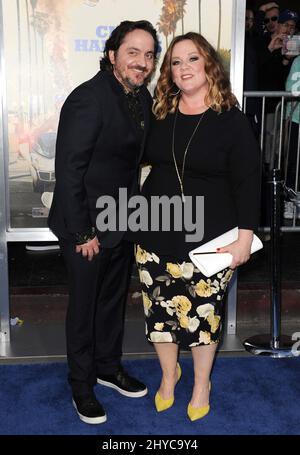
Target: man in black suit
100	139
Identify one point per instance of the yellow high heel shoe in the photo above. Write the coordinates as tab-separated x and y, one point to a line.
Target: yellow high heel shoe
198	413
160	403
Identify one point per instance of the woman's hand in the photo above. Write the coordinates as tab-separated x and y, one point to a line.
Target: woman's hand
89	249
240	249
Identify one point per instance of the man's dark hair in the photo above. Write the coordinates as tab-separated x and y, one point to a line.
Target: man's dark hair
118	35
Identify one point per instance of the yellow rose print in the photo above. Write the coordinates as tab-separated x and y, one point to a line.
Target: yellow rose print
147	303
184	321
174	270
226	278
184	270
182	304
159	326
203	289
214	321
228	275
141	255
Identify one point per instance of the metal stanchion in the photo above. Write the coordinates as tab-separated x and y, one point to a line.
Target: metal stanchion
273	344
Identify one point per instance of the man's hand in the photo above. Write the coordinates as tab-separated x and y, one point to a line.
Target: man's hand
267	6
276	42
89	249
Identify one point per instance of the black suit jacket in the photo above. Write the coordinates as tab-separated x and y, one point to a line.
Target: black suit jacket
98	151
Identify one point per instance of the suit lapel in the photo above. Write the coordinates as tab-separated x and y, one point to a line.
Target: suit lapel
146	106
121	99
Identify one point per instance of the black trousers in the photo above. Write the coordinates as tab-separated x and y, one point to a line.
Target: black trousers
95	316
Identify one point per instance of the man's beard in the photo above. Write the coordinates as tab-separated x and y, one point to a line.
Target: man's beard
133	85
130	83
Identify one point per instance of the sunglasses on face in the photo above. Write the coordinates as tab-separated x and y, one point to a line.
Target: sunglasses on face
273	19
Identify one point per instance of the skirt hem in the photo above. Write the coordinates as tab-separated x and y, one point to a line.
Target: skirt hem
184	347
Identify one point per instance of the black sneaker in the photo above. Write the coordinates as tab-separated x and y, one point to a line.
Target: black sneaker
124	384
89	409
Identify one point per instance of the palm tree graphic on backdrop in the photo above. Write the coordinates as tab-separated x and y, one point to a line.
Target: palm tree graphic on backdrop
172	12
38	18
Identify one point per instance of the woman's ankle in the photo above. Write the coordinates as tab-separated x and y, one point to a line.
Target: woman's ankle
200	396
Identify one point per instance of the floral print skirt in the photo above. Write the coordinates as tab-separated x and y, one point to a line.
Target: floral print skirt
181	305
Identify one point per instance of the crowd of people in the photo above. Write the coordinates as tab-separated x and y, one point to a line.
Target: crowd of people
269	66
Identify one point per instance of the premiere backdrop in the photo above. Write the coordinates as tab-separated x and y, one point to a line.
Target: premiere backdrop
51	46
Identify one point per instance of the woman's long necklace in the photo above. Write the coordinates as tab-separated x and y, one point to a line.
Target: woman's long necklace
180	176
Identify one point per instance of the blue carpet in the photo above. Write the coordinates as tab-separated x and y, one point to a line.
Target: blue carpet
250	396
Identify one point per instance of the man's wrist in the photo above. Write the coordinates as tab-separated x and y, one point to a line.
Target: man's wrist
85	236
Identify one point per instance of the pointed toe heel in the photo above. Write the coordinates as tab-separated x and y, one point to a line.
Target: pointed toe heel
198	413
160	403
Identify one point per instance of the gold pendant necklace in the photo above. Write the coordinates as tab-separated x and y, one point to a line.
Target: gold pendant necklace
180	177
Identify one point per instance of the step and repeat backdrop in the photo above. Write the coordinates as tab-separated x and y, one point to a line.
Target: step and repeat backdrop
50	47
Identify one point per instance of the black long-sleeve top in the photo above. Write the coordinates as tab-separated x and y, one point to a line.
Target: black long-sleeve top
222	164
273	73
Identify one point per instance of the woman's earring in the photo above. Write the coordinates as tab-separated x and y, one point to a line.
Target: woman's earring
176	93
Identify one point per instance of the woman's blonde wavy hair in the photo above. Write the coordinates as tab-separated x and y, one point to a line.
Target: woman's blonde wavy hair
219	96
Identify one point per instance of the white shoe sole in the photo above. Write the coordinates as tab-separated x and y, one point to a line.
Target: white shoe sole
90	420
142	393
42	247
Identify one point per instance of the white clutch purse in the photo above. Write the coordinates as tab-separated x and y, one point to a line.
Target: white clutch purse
209	261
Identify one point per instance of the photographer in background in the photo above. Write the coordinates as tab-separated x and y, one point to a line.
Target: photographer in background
274	68
266	19
251	71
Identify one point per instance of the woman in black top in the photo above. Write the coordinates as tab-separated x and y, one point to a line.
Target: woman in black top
200	144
